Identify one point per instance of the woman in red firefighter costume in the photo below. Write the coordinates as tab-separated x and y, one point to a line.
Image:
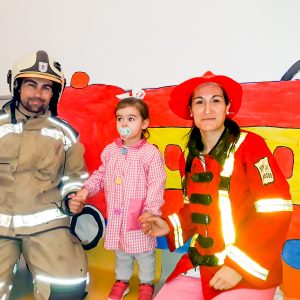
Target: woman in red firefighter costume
237	205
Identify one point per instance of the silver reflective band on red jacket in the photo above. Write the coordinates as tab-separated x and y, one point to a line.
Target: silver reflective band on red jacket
273	205
32	219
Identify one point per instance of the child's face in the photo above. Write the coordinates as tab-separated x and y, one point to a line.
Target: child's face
129	117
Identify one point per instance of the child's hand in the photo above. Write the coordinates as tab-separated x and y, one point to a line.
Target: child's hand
77	201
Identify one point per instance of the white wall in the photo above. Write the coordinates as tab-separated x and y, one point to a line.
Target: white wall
151	43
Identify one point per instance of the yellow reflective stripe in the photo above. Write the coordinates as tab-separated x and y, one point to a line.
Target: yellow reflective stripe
226	218
228	166
221	256
228	229
177	230
229	162
193	240
186	199
247	263
273	205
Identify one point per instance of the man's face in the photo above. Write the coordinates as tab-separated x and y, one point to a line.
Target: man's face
36	93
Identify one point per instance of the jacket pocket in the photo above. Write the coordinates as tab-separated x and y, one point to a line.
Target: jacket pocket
44	175
44	180
135	209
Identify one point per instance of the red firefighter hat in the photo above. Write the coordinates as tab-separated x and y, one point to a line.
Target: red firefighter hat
181	94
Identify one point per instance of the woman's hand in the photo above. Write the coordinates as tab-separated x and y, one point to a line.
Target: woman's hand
225	278
77	201
145	215
154	226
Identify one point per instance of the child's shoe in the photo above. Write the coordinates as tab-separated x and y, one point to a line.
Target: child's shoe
119	290
146	292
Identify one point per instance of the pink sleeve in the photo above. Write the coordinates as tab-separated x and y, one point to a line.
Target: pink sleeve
95	182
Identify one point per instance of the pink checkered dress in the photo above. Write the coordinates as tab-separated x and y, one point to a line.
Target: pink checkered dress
133	179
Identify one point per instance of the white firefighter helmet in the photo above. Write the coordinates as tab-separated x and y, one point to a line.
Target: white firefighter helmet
88	226
37	65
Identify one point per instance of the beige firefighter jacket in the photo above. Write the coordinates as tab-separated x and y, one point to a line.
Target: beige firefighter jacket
41	162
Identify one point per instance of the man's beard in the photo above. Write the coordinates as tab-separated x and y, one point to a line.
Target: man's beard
35	105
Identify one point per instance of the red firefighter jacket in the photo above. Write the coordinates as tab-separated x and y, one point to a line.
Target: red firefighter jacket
238	211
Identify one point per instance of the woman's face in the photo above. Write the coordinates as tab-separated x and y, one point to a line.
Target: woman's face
208	108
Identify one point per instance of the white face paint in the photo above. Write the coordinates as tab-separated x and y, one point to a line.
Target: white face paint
124	132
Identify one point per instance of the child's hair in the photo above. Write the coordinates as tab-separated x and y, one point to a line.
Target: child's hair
140	105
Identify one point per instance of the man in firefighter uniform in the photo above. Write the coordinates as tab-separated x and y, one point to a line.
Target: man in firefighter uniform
237	205
41	163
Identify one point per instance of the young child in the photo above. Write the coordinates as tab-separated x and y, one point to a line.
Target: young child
132	176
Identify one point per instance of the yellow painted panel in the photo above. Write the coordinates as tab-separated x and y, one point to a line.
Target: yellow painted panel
275	137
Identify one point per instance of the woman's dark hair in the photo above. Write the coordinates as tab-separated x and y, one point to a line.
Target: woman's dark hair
195	140
141	106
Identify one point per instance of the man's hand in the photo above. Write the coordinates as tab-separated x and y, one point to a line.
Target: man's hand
77	201
225	278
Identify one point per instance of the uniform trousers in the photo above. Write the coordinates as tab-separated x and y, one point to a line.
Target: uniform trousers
54	258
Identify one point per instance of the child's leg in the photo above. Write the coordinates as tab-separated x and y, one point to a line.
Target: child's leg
247	294
182	287
146	262
123	265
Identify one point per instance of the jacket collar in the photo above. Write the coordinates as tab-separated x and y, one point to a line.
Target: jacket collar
22	114
137	145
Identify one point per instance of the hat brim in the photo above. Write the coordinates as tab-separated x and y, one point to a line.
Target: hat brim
181	94
39	75
88	226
